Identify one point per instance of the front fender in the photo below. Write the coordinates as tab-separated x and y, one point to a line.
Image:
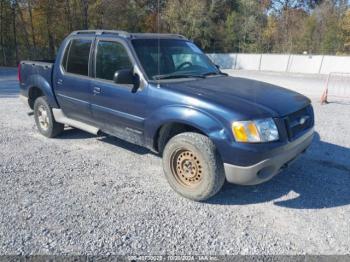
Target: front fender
40	82
198	119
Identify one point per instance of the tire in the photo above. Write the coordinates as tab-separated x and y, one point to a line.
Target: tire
193	166
45	120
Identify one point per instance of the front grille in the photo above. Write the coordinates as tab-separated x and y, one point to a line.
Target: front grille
298	122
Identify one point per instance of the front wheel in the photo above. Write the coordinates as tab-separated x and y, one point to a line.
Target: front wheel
45	120
193	166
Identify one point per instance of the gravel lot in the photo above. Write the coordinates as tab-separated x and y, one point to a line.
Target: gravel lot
81	194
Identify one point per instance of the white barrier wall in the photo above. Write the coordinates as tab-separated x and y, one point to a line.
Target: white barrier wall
278	63
248	61
339	64
307	64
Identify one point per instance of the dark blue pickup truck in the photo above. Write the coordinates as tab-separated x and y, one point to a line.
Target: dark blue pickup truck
161	92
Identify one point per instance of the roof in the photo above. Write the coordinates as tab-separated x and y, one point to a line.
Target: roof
127	34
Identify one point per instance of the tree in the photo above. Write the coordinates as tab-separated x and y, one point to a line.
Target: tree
35	28
345	26
243	26
32	26
232	33
310	36
26	37
328	16
85	13
270	34
2	32
14	27
188	17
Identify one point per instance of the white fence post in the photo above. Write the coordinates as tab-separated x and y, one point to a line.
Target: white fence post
319	71
287	68
260	62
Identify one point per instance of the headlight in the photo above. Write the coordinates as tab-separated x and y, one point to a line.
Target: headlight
255	131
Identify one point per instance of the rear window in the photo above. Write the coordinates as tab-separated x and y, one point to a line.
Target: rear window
76	57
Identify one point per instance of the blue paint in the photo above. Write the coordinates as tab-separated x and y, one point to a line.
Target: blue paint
208	104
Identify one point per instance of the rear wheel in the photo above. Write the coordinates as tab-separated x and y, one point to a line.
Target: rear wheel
193	166
45	120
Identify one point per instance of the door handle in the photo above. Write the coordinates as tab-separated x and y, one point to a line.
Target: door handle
97	90
59	82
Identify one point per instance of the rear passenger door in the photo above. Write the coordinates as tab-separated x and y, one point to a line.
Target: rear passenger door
73	82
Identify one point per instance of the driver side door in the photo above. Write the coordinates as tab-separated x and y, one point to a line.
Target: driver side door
117	110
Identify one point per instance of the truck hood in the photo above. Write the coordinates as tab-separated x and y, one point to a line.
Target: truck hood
258	98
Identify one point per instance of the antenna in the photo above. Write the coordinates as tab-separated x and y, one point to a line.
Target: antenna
158	29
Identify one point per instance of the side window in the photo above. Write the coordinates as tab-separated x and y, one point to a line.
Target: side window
65	56
110	57
77	61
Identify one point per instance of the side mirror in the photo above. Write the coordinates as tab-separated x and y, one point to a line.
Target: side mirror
217	66
124	77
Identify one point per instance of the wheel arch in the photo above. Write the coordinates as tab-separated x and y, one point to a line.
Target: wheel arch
171	121
39	86
170	129
33	93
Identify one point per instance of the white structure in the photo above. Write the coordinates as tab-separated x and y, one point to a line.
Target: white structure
309	64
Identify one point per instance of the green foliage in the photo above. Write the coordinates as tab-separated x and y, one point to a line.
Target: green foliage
188	17
309	40
345	27
34	29
232	30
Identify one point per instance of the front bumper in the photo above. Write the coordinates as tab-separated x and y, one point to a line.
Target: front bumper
268	168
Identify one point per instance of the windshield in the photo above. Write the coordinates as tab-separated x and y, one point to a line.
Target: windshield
172	58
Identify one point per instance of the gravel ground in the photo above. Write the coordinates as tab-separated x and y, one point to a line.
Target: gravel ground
81	194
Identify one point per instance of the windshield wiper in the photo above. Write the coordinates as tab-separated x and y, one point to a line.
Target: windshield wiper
214	73
173	76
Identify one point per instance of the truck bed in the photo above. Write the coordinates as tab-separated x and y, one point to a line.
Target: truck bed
32	71
36	67
36	74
